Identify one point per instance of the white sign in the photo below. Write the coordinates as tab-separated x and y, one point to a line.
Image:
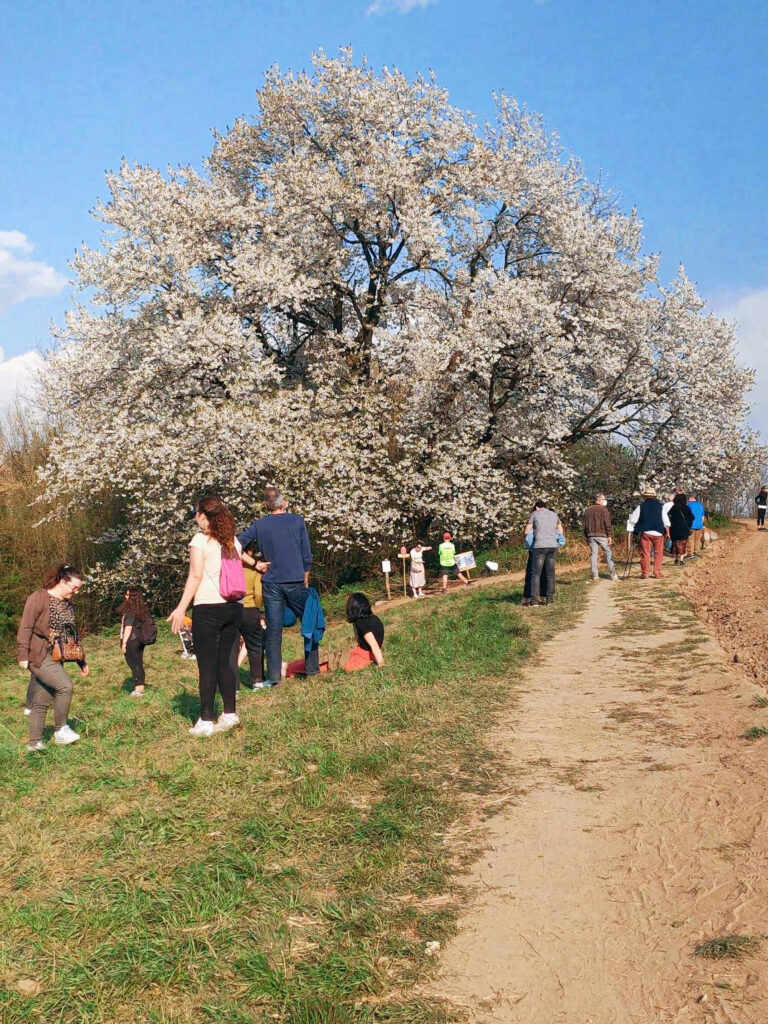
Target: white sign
386	566
466	560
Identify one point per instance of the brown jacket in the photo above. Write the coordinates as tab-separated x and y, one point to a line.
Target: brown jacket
597	521
32	638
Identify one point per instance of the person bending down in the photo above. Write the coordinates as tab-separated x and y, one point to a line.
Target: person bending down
369	634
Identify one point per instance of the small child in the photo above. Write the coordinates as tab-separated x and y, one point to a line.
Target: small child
418	578
136	629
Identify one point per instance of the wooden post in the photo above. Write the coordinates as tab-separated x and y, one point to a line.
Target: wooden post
403	553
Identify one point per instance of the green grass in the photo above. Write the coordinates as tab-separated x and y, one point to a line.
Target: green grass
285	872
731	947
756	732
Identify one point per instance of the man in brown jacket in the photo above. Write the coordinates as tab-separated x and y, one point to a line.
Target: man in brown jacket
597	530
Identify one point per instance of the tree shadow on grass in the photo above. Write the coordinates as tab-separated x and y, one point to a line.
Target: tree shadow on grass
187	705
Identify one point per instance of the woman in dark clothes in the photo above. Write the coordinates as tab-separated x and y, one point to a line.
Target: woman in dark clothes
762	504
680	522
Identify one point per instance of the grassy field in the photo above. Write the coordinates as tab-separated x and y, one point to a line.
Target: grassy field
291	871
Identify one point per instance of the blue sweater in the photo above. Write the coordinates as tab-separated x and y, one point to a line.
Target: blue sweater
283	541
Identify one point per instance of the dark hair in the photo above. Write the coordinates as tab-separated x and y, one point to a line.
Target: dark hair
221	522
134	604
680	500
540	504
59	573
358	606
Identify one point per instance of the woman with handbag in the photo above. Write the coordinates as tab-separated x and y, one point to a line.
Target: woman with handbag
46	639
217	584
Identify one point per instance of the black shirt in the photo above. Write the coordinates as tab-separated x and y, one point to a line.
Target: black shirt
369	624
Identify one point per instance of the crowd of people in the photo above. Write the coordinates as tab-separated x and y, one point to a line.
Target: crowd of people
246	588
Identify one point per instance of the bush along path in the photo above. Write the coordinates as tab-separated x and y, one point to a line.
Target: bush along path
625	881
300	869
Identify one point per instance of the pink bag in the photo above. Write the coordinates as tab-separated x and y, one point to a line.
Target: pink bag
231	578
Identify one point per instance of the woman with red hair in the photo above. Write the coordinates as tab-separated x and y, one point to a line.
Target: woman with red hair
216	616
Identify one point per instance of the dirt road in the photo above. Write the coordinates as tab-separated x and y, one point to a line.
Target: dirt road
640	828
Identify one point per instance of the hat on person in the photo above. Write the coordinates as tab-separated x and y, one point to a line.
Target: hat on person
648	492
446	536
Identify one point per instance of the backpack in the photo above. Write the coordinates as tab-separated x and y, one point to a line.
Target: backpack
231	578
146	627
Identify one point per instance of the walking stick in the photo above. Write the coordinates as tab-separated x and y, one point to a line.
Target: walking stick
630	550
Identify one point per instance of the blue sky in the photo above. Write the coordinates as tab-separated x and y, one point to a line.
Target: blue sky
666	100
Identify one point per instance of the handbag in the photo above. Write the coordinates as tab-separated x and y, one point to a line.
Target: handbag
67	648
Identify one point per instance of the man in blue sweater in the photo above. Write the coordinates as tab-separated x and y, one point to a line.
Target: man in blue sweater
286	556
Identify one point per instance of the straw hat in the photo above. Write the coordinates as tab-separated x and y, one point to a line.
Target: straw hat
648	492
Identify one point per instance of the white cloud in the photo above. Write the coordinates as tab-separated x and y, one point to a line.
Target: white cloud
400	6
22	278
17	376
749	310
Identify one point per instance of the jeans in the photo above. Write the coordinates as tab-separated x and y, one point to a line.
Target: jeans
251	632
648	541
594	544
52	686
278	596
529	576
215	629
543	558
134	655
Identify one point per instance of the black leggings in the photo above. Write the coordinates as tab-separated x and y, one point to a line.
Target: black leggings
134	655
760	516
215	631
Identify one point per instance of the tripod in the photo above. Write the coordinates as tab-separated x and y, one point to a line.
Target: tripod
630	552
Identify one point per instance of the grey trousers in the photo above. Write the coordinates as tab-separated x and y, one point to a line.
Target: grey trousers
594	544
52	686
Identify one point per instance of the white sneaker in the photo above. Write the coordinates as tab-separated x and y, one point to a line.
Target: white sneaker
27	711
36	746
65	735
201	728
226	722
614	577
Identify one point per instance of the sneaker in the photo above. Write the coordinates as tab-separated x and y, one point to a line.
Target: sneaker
226	722
36	746
264	685
614	576
27	711
595	579
65	735
201	728
137	693
525	602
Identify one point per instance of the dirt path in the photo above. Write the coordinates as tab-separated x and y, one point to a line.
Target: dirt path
639	831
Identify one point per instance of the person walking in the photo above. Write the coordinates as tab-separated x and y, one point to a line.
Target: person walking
418	576
599	533
761	501
545	526
680	523
46	639
697	530
447	556
286	561
136	627
651	524
214	563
